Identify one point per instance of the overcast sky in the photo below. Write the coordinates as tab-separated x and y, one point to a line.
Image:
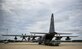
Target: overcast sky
24	16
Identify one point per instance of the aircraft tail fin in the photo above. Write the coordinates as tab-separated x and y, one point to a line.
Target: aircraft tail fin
51	29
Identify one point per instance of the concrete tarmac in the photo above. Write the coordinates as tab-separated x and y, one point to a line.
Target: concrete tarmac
28	45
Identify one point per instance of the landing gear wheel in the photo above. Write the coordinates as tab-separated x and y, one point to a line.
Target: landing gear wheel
56	45
39	43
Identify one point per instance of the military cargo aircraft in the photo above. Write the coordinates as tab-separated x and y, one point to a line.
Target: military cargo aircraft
47	38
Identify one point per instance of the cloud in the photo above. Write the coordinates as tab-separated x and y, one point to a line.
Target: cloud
34	15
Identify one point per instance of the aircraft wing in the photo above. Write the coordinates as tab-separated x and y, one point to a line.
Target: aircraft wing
36	36
24	35
17	35
65	36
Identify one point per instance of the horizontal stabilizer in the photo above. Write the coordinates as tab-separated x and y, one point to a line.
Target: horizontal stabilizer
64	33
38	33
